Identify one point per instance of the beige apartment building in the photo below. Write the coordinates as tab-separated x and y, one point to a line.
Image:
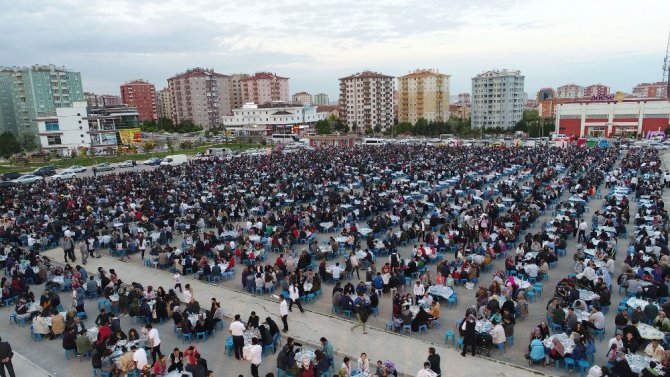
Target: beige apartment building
264	87
423	93
163	102
302	98
235	90
366	99
200	95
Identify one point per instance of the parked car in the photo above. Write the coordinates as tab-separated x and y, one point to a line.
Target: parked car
103	167
152	161
28	179
64	175
77	168
7	184
127	164
45	171
11	175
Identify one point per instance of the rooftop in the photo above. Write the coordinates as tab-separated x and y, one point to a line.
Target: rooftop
423	73
263	76
366	74
197	72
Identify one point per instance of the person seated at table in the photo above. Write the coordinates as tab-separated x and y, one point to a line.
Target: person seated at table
70	339
176	361
57	323
638	315
420	319
39	325
630	344
661	322
117	336
265	338
346	303
558	316
654	350
84	345
92	286
193	307
133	335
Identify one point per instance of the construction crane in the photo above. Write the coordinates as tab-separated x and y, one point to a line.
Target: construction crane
666	69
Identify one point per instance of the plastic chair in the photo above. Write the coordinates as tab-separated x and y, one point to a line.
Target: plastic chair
531	296
202	334
389	325
510	340
229	345
450	334
568	361
348	313
68	352
12	317
268	348
407	328
423	328
188	336
600	333
583	366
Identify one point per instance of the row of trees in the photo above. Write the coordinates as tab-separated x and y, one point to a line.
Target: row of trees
535	126
10	144
167	125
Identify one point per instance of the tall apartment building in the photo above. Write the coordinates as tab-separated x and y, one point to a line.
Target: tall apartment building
235	90
302	98
141	95
497	99
596	90
321	99
423	93
544	94
651	90
27	93
264	87
366	99
163	102
570	91
199	95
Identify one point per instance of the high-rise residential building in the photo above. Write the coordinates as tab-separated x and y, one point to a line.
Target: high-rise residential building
302	98
423	93
264	87
163	101
199	95
464	99
570	91
596	90
26	93
235	90
366	100
109	100
141	95
651	90
321	99
91	99
497	99
544	94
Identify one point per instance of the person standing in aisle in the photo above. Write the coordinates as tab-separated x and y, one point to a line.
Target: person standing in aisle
294	292
254	356
283	311
434	360
468	333
237	331
6	355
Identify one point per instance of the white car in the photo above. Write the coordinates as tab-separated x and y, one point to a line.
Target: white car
76	169
126	164
28	179
64	175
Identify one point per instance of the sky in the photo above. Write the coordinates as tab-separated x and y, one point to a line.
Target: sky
617	43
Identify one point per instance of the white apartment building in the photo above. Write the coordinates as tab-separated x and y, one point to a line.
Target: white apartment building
497	99
366	100
273	117
572	91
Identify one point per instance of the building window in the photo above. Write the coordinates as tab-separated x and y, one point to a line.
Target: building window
51	126
53	140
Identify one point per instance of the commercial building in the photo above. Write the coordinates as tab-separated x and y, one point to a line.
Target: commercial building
264	87
302	98
26	93
272	117
328	141
366	101
651	90
629	117
572	91
79	126
423	94
321	99
141	95
199	95
497	99
596	90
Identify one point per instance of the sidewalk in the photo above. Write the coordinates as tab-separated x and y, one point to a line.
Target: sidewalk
408	353
25	367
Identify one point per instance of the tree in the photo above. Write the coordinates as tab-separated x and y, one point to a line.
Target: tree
368	131
148	146
345	128
323	127
28	141
8	144
354	127
403	128
378	128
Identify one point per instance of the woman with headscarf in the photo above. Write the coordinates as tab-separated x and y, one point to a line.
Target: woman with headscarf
468	333
557	352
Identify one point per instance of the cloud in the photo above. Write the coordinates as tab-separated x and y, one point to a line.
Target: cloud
315	42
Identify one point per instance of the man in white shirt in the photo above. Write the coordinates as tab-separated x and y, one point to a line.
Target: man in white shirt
283	311
426	371
294	294
531	270
581	237
154	341
596	319
237	331
336	271
139	357
419	290
616	340
254	356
